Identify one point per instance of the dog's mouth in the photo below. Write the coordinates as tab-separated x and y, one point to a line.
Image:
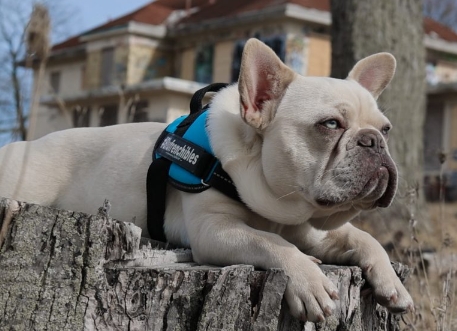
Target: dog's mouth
391	188
378	191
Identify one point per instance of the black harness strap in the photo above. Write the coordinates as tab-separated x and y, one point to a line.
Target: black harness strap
156	187
196	101
209	168
222	182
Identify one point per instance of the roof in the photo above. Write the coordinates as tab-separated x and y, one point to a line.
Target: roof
182	4
154	13
72	42
442	31
157	13
220	8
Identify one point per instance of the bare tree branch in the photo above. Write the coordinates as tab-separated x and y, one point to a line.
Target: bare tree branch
16	81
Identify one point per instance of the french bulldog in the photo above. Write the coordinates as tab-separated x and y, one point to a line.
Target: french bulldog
306	154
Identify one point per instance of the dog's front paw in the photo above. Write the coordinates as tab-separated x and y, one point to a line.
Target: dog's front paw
309	292
388	289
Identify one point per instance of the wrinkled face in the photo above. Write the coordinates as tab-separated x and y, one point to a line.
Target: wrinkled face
328	142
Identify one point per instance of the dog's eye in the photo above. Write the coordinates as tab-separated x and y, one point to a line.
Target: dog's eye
332	124
385	130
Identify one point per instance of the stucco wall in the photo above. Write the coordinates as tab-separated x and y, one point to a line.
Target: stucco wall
306	53
319	55
121	56
223	52
187	63
93	69
71	76
451	123
147	62
446	71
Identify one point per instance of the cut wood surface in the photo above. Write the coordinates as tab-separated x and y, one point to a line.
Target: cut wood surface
63	270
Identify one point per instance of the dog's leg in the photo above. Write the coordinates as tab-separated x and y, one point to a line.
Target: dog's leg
349	245
218	235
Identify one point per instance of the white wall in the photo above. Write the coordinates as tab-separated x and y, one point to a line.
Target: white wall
71	75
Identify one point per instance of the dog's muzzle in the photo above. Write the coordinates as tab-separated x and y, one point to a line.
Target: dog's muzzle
366	177
386	174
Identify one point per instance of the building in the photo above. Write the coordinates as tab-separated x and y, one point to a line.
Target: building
145	66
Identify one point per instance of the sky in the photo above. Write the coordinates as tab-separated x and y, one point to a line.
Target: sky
95	12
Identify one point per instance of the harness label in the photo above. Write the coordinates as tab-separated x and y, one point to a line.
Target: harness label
179	150
184	153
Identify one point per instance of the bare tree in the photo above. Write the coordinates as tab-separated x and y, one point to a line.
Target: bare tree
16	80
443	11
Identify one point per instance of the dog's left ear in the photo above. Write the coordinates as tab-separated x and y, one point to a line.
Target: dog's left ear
374	72
262	82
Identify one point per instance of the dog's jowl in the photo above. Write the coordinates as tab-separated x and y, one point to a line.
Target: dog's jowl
306	155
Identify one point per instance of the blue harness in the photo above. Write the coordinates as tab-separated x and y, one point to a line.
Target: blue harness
182	150
183	157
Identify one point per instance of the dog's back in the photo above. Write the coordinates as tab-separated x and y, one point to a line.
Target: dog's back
66	169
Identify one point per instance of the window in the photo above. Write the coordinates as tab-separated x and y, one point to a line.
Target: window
81	117
276	43
138	112
107	67
434	126
204	64
108	115
54	81
236	62
83	77
433	140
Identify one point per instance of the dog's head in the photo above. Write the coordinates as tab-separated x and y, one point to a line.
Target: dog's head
324	139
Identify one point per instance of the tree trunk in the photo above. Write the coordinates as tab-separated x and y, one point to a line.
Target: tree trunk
63	270
362	28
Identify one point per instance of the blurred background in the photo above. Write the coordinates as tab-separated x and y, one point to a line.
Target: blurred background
66	64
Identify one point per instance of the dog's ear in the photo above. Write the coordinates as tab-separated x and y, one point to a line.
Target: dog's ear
262	82
374	72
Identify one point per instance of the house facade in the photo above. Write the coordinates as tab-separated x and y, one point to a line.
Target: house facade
146	65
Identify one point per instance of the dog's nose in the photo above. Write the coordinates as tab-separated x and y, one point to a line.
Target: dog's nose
367	140
371	139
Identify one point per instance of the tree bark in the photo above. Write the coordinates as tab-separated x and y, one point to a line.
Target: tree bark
362	28
63	270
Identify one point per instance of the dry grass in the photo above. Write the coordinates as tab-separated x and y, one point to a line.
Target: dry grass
434	286
432	251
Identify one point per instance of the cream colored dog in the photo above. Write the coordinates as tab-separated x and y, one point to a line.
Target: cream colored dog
307	154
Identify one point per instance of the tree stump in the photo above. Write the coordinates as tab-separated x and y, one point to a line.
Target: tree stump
64	270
